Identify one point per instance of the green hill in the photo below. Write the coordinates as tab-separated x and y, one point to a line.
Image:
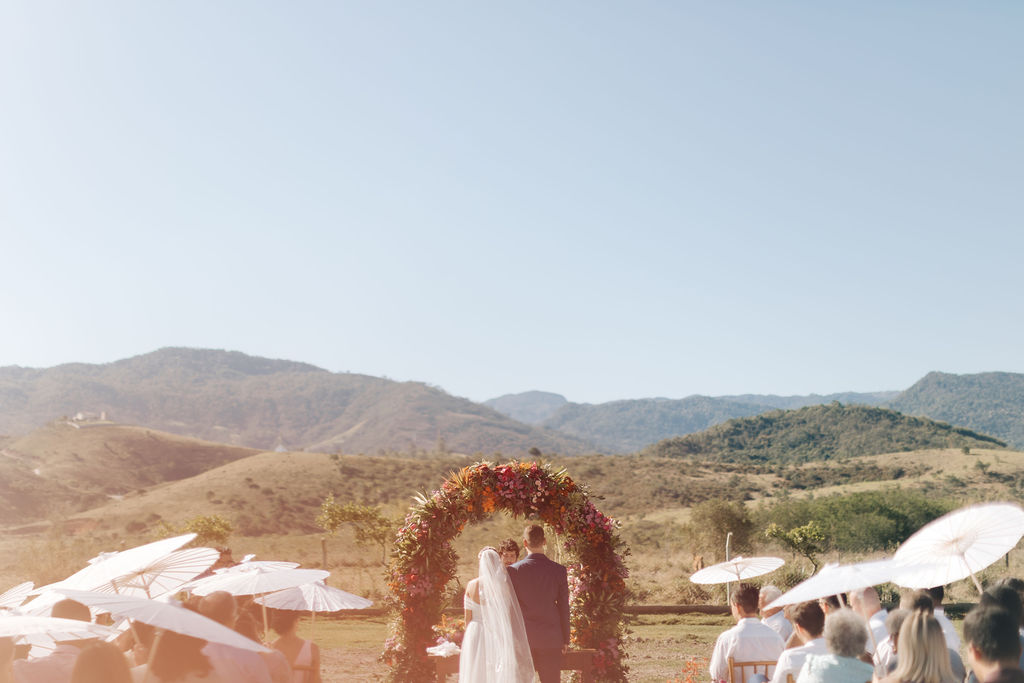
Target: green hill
233	398
989	402
627	426
818	433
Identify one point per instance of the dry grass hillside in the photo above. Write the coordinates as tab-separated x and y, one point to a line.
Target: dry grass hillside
137	481
66	466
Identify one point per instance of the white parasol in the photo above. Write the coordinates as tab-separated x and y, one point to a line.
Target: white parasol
106	568
833	579
314	597
737	569
959	545
16	625
164	575
249	564
165	615
15	596
256	581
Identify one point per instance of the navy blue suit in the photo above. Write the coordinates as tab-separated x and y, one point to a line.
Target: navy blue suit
542	587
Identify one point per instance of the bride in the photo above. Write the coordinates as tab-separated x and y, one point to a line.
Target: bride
494	647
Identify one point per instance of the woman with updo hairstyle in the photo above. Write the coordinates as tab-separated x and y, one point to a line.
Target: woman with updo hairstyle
101	662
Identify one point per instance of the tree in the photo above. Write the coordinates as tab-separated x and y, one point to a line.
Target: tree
804	540
210	530
370	524
713	520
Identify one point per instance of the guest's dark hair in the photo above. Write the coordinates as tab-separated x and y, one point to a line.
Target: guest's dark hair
509	545
101	662
176	656
745	597
1004	597
282	621
534	535
832	601
809	617
70	609
1016	584
993	632
938	594
919	601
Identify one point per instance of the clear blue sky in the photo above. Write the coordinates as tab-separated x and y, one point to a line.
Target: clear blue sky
606	200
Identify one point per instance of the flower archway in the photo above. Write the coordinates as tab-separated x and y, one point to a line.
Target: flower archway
423	561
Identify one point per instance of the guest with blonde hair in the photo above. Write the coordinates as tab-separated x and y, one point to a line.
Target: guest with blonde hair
922	655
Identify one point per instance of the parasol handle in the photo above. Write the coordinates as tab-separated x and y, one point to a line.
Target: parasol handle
976	582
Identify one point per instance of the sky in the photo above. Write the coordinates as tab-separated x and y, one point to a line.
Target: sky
603	200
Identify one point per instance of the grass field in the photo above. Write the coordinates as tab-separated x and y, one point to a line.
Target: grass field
657	648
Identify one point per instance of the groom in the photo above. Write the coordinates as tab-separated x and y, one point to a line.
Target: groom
542	588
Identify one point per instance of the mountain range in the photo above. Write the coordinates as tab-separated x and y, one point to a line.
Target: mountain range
233	398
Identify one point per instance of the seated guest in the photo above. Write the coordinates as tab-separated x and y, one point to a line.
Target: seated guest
231	663
748	641
993	645
922	601
101	663
938	593
809	622
177	659
885	654
845	636
922	656
56	667
6	660
865	602
1003	597
774	618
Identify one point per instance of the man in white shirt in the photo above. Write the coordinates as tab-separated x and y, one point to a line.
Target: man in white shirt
749	640
231	663
773	618
809	622
865	602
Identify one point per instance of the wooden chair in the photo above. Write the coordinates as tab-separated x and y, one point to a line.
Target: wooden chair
748	669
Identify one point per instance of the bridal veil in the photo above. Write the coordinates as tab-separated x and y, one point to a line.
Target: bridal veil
506	648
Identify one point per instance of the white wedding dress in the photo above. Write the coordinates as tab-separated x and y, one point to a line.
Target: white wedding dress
494	647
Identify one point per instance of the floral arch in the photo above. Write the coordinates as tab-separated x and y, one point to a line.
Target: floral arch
423	561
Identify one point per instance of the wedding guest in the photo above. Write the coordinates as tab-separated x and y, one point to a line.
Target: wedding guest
231	663
177	659
6	660
922	655
993	645
885	654
509	551
865	602
749	640
302	655
277	664
845	636
809	622
101	663
774	618
938	594
56	666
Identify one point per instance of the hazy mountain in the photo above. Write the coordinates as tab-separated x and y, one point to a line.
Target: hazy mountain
230	397
818	433
531	407
990	402
627	426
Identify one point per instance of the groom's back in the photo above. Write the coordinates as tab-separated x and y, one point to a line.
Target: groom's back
542	589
